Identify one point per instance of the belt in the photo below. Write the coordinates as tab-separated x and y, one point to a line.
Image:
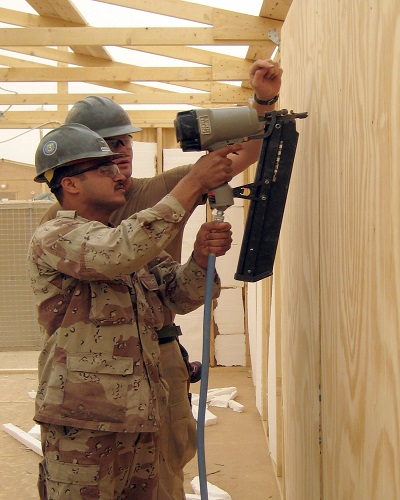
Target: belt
168	333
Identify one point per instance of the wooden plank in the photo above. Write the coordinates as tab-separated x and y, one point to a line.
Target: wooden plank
229	70
220	71
58	9
173	8
299	270
57	55
233	26
51	119
90	36
275	9
360	261
105	74
13	62
66	10
342	285
18	18
220	94
61	56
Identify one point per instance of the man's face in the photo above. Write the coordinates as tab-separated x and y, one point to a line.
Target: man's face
122	144
100	185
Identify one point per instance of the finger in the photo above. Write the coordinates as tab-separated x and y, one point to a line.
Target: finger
226	150
260	65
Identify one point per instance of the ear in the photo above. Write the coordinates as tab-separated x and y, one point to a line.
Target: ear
70	185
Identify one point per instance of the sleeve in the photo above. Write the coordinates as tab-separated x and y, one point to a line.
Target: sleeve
89	250
173	176
182	286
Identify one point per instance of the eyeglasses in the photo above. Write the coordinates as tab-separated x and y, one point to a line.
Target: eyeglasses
109	169
125	141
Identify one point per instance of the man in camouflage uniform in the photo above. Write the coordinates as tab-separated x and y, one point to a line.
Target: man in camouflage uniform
102	293
108	119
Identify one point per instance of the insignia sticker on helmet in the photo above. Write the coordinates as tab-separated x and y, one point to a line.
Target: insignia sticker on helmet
50	148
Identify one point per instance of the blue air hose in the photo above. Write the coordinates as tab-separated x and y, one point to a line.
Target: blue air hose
204	378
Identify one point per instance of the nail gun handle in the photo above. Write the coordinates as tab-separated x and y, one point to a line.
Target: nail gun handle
221	197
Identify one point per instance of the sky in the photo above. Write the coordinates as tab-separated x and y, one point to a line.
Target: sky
20	145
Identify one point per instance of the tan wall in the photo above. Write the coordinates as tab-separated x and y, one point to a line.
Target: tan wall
339	273
16	181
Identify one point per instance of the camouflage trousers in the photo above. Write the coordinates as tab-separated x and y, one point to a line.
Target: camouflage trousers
87	464
178	430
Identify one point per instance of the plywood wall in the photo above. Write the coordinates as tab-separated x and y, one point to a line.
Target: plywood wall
339	271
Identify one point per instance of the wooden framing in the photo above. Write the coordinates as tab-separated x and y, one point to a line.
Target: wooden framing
81	56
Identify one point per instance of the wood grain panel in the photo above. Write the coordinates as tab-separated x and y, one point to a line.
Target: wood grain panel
340	265
299	270
359	290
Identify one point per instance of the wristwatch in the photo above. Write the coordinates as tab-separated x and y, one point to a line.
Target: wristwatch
266	103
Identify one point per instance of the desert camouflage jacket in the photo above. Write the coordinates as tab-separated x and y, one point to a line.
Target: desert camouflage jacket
101	294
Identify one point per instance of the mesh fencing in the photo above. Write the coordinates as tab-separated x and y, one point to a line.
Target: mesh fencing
18	327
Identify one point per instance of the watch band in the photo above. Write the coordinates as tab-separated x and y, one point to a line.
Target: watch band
266	103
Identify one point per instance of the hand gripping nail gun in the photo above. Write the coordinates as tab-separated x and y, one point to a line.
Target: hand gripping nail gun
210	129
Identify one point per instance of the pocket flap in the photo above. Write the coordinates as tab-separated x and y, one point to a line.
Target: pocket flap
148	281
63	472
100	363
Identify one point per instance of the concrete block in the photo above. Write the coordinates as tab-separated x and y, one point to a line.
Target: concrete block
220	401
24	438
210	418
212	393
235	406
229	313
221	391
35	432
230	350
214	493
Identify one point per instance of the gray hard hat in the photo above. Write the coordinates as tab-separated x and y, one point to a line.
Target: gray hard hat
102	115
69	144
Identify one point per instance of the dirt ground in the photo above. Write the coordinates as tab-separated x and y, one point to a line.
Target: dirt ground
237	456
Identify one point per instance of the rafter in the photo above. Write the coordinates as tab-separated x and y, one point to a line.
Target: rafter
274	9
90	36
59	24
219	94
17	18
190	11
66	10
44	119
223	71
185	53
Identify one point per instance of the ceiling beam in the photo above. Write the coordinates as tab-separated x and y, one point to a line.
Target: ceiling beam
53	119
54	74
17	18
221	70
66	10
221	34
219	94
189	54
84	61
190	11
58	9
275	9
